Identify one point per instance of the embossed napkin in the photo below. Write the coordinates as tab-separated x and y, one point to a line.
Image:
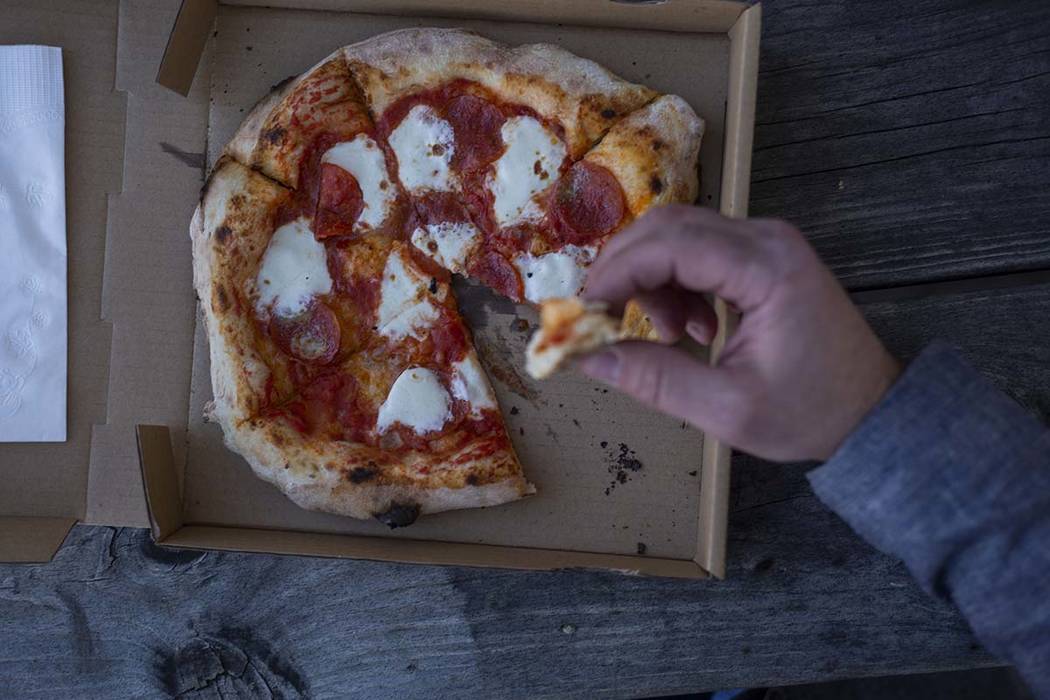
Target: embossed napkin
32	245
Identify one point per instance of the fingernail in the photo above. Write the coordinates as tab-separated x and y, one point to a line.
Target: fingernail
698	331
603	365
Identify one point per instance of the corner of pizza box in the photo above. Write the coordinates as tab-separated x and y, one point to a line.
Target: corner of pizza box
32	540
159	480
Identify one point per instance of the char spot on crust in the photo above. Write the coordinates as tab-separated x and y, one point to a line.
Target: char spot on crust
472	480
398	515
278	85
656	184
223	233
658	144
359	475
274	135
608	113
222	298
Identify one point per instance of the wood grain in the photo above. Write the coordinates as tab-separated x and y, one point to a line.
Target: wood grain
911	141
804	600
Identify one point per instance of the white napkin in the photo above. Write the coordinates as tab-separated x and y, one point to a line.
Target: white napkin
32	245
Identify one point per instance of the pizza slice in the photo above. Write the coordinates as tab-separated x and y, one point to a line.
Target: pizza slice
568	327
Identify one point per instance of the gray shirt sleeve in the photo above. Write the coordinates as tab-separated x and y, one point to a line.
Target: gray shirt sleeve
953	477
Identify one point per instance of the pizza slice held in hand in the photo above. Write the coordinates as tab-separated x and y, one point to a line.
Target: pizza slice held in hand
323	246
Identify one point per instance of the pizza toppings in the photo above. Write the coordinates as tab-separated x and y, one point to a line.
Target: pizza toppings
405	304
424	144
363	159
586	203
477	124
310	336
496	272
470	384
294	270
417	400
449	244
529	165
560	273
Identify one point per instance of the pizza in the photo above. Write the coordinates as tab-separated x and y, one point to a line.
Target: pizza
327	232
569	327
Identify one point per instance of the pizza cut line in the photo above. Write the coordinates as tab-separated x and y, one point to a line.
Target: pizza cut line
326	234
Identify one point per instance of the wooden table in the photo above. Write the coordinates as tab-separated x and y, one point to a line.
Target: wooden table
912	142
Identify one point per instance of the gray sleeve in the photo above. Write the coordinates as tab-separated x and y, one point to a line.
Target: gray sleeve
953	477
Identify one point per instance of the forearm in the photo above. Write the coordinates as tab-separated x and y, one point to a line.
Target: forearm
953	477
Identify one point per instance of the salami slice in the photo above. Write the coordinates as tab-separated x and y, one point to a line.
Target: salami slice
586	203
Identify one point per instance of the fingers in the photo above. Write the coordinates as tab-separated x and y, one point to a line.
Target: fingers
668	379
674	311
695	249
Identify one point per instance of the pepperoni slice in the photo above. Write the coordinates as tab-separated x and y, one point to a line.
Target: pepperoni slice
311	336
339	202
440	207
494	270
587	203
449	339
477	123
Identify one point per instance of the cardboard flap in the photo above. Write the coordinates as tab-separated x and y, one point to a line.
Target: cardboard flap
740	112
186	44
31	540
241	539
159	479
188	37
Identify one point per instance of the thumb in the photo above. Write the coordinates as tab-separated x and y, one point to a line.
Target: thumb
666	378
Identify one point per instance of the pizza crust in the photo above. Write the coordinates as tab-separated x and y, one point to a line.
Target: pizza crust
568	327
581	96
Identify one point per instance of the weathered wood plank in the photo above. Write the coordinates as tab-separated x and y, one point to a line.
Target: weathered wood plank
805	599
911	141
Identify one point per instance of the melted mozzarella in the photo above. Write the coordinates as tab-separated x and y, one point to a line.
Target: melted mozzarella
448	244
417	400
423	143
405	306
557	274
294	269
527	167
470	384
362	158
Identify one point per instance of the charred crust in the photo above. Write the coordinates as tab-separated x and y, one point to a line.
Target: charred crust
359	475
658	144
223	233
282	84
222	298
472	480
398	515
656	185
433	285
274	136
608	113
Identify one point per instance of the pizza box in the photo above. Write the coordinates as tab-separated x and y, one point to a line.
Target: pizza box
154	90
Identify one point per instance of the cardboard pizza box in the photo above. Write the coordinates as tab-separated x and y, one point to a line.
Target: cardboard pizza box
153	93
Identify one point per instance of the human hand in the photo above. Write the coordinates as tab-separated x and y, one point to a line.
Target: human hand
803	367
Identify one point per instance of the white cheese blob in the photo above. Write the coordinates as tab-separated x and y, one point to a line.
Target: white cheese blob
448	244
294	269
363	158
470	384
405	306
527	167
423	143
560	273
417	401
